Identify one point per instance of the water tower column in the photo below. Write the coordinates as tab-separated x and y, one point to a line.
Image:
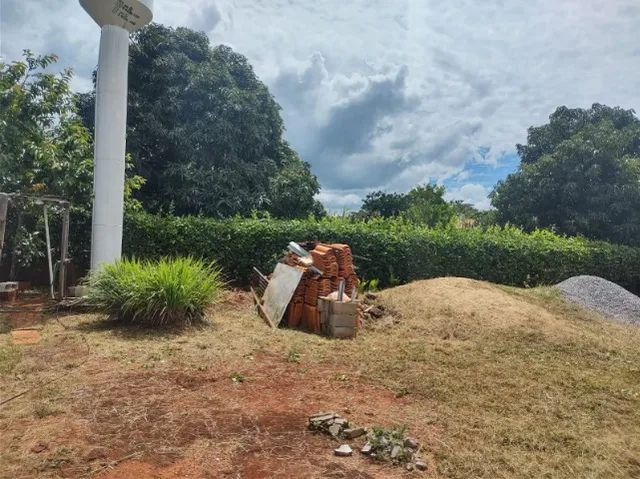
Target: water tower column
116	18
110	145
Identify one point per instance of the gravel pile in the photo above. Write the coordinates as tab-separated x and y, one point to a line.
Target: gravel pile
605	297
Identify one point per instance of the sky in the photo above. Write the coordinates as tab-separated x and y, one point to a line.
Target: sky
389	94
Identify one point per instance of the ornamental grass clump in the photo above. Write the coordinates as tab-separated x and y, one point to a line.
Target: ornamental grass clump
170	291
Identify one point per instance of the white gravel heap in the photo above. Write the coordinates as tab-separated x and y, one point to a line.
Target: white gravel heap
605	297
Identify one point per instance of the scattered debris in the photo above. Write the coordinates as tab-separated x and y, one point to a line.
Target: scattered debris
335	429
354	432
329	423
374	311
40	447
411	443
381	444
392	445
343	451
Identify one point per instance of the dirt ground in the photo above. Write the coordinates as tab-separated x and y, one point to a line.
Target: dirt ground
486	378
118	413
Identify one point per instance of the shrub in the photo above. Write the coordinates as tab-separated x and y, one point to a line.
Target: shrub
392	251
163	292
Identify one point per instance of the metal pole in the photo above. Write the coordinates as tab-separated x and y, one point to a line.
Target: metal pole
14	254
48	237
64	250
4	204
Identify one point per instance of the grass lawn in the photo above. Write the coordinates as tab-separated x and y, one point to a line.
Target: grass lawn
494	382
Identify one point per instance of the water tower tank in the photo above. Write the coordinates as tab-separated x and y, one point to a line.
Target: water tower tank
127	14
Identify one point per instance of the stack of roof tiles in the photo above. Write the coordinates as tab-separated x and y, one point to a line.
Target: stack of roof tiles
335	262
345	266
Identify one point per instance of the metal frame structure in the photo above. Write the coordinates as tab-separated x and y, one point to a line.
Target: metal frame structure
5	200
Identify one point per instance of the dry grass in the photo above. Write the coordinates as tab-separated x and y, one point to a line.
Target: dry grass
524	385
496	382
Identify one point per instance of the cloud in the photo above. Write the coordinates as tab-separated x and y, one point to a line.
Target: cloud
472	193
387	95
206	19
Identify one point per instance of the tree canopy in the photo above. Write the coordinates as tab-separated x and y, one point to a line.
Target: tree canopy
205	132
424	204
579	174
44	148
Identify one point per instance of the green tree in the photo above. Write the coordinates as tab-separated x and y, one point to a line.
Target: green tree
469	215
45	150
385	205
427	206
292	190
579	174
203	130
424	204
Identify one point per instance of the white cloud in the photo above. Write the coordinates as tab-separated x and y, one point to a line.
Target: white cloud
386	95
472	193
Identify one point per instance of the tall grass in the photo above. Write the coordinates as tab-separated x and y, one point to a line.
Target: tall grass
164	292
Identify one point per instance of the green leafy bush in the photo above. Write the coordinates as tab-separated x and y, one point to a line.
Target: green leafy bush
163	292
392	251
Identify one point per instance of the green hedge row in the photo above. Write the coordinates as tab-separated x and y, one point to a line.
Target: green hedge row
391	251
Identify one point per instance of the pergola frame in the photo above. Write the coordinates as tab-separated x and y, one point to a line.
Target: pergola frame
6	199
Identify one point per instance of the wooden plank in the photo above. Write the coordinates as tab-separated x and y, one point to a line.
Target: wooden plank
261	312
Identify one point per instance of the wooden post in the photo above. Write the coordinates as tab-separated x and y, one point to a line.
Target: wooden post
64	250
4	203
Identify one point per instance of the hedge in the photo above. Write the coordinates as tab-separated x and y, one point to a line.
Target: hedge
393	252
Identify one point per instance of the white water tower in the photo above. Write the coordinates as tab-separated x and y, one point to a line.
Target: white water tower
116	18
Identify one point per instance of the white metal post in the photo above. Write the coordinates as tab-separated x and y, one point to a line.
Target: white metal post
48	237
110	144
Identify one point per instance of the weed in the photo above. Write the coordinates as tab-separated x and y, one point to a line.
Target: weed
238	377
368	285
403	391
388	444
59	457
294	355
42	409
